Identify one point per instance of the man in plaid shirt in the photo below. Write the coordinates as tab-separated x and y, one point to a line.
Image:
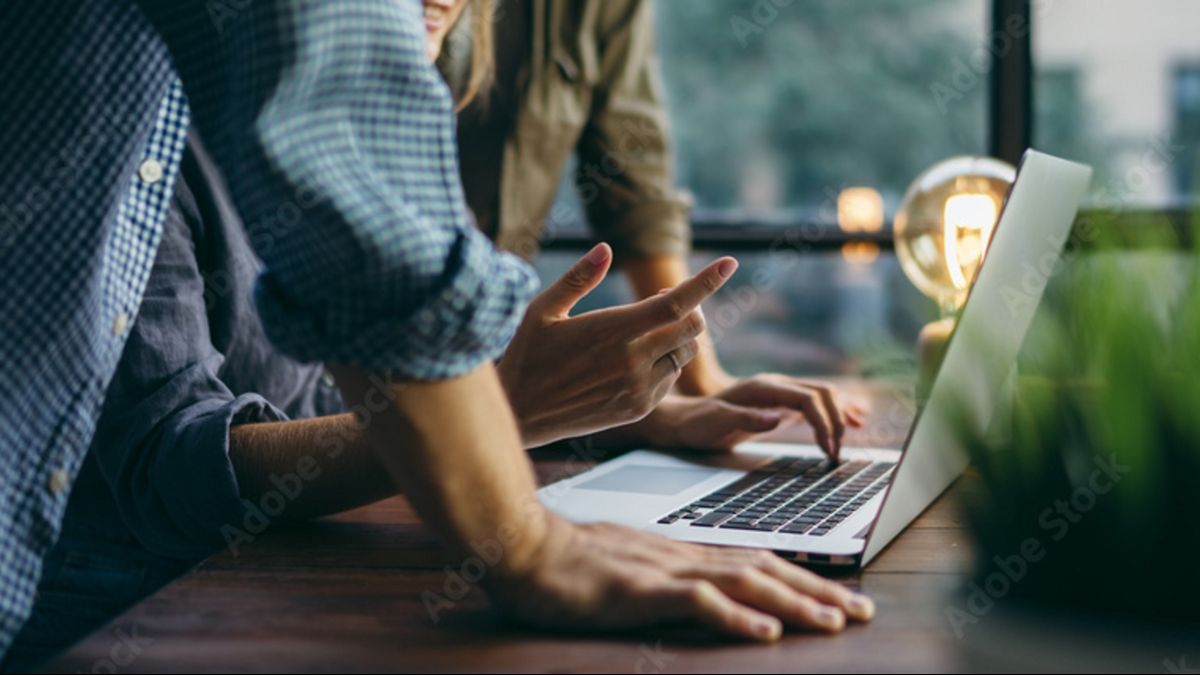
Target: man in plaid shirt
337	139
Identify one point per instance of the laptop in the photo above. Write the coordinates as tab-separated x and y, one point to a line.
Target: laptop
787	497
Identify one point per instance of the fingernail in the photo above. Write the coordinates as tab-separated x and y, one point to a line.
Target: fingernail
768	630
832	618
863	607
727	267
597	255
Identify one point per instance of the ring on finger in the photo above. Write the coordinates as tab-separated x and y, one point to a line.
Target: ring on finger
674	361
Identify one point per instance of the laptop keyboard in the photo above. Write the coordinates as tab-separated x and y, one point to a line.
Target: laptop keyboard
792	495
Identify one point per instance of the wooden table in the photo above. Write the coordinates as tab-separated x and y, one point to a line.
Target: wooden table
345	594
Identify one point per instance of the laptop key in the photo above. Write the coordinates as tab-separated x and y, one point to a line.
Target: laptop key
712	519
743	525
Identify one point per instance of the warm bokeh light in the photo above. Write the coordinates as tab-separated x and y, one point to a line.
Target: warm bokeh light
860	209
860	252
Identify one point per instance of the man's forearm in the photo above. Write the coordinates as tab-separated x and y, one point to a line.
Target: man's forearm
321	465
452	446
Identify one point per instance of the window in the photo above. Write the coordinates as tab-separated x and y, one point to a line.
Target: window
778	106
1111	90
1187	130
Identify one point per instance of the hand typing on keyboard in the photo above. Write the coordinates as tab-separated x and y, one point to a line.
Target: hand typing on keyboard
750	407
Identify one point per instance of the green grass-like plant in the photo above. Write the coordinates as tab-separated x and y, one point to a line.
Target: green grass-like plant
1106	421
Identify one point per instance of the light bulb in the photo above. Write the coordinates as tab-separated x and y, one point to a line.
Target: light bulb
944	223
967	223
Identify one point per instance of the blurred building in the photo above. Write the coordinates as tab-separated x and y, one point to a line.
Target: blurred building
1135	69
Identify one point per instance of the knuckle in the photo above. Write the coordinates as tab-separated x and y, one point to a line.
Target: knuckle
690	349
628	584
695	323
762	559
745	577
698	592
631	363
673	309
575	279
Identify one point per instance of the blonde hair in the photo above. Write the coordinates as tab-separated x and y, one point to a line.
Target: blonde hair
483	63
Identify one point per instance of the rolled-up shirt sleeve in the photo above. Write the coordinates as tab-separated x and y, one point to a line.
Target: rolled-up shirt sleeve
162	443
167	462
337	138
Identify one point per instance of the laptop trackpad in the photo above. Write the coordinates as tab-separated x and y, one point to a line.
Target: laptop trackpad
649	480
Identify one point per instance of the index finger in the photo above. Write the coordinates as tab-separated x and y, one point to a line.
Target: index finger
677	303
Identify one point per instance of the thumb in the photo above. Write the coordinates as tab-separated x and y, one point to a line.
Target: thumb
571	287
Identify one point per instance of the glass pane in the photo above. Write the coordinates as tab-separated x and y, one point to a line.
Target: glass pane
778	106
1117	84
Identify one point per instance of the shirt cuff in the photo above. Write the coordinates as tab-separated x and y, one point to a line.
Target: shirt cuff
469	321
194	481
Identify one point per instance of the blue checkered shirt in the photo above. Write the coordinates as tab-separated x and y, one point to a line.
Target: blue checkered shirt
336	138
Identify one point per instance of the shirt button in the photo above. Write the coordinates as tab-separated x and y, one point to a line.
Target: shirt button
59	480
120	324
150	171
327	379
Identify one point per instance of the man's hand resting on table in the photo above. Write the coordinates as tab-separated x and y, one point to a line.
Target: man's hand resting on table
611	577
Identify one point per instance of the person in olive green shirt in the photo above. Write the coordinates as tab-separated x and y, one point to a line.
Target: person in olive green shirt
581	78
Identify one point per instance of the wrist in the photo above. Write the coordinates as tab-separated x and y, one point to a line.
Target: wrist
700	379
508	377
660	428
527	551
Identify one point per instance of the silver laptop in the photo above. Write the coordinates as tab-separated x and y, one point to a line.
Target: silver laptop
786	497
